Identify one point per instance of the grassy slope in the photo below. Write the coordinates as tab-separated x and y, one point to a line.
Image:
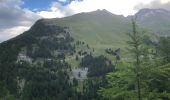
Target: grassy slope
99	29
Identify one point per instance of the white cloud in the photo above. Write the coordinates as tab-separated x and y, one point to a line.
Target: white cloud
56	10
62	0
165	4
165	1
121	7
12	32
50	14
13	19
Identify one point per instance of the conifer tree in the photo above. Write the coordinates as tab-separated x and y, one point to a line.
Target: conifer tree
135	43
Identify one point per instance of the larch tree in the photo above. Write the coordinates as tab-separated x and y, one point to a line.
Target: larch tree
135	44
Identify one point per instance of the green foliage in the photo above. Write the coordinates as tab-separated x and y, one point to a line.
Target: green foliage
38	79
91	86
121	84
164	49
50	81
138	79
97	66
154	85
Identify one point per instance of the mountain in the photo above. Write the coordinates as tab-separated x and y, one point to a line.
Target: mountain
102	29
99	28
52	60
68	58
157	20
47	37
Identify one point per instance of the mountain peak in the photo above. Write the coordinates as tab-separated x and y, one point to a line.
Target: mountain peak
100	12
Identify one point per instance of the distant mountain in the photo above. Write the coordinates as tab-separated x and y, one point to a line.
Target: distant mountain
157	20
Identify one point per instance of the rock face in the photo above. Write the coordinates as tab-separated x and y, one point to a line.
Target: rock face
23	57
80	73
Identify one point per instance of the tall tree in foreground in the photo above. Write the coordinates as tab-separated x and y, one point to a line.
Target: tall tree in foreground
125	82
135	43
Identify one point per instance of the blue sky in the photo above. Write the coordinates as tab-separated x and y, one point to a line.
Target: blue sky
17	16
40	5
36	4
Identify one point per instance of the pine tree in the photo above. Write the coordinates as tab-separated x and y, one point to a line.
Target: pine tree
135	44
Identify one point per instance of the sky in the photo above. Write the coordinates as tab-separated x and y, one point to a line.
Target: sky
17	16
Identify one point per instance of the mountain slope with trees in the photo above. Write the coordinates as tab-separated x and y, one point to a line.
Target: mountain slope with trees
82	57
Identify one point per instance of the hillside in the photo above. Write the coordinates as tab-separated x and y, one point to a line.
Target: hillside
70	58
100	29
48	63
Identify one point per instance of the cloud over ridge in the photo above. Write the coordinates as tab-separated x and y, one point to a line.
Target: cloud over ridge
13	19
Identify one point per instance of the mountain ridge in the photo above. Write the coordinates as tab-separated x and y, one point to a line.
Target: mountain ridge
105	27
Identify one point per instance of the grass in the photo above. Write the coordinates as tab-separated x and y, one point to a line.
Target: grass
100	29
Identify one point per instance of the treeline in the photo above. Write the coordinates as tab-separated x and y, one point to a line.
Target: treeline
97	66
